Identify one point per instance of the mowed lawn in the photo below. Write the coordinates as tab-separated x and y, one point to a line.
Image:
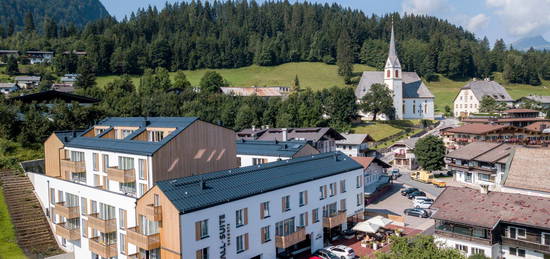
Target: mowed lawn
377	130
8	245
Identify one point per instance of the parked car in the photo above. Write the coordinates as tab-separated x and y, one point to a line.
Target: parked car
417	212
423	204
325	254
416	193
394	174
343	252
408	190
421	198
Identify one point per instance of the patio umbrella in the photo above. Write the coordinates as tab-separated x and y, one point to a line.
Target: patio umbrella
380	221
366	227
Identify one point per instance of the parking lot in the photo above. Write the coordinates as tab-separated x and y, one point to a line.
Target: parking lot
394	203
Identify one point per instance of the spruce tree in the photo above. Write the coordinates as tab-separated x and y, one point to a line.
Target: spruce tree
29	22
344	56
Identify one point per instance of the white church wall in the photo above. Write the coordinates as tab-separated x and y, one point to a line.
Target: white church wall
418	108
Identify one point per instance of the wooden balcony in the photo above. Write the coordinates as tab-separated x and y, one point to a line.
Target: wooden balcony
101	225
330	222
67	212
121	175
525	244
290	240
146	242
448	234
73	166
70	234
101	249
153	213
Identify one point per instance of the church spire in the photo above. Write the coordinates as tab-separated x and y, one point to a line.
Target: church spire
393	60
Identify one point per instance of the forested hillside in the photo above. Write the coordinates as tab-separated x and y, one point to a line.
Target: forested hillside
14	13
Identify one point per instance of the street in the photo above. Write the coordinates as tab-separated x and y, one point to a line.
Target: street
429	189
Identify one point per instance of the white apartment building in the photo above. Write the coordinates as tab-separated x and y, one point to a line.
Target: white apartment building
354	144
255	152
469	97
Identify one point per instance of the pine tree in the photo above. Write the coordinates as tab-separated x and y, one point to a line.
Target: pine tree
29	23
344	56
11	28
296	85
12	67
86	75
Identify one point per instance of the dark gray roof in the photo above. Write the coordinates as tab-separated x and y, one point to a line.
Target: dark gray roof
482	88
544	99
188	195
27	78
128	145
269	148
409	142
67	135
413	87
312	134
354	139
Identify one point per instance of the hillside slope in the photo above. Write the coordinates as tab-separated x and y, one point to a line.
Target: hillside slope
78	12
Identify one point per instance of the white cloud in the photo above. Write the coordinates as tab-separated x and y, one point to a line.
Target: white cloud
477	22
523	17
423	6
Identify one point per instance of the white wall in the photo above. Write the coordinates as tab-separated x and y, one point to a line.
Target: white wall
424	108
529	254
490	251
373	173
253	228
348	150
466	103
246	160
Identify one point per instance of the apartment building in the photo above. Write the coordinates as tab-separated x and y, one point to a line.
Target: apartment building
93	178
354	144
260	211
511	117
255	152
495	224
469	97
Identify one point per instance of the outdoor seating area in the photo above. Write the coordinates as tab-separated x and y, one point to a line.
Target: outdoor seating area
374	234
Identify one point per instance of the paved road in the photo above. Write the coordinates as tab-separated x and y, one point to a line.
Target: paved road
447	122
429	189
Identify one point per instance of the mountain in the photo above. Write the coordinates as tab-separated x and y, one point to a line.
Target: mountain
77	12
537	42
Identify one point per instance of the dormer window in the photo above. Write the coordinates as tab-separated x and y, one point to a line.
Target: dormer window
98	131
156	136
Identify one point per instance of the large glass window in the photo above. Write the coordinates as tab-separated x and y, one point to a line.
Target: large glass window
125	163
77	156
285	227
141	169
128	188
71	200
106	212
148	227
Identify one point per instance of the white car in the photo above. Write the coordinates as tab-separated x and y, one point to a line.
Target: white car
343	252
423	204
421	198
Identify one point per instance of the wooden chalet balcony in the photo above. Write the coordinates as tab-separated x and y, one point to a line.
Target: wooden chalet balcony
73	166
62	230
525	244
101	249
121	175
67	212
291	239
146	242
101	225
153	212
400	156
338	219
455	235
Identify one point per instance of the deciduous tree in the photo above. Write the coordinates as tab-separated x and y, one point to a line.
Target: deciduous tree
378	100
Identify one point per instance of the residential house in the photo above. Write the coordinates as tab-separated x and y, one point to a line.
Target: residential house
39	57
403	156
270	210
66	88
4	54
495	224
512	117
354	144
274	91
69	79
93	178
469	97
8	88
543	101
51	97
323	139
255	152
27	82
375	174
75	52
528	172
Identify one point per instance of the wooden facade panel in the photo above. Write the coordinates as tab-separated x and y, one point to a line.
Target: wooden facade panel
201	148
53	153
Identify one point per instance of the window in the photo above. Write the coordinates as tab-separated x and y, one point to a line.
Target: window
60	196
545	238
476	250
358	181
264	210
95	160
332	189
516	233
106	212
83	206
468	177
323	192
84	229
414	107
242	243
122	244
141	169
241	217
484	177
315	215
343	205
156	136
201	229
517	251
77	156
156	200
128	188
303	198
342	186
52	196
258	161
396	73
121	218
202	253
125	133
461	247
105	162
302	222
388	73
286	203
142	188
265	234
93	207
125	163
285	227
359	199
330	210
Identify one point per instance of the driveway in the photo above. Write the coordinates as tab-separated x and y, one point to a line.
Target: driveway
429	189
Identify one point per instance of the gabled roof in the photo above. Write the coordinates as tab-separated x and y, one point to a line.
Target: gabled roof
27	78
8	85
128	145
409	142
538	98
259	91
529	169
539	126
477	128
367	161
66	136
53	95
198	192
471	207
312	134
354	139
482	88
413	87
483	152
270	147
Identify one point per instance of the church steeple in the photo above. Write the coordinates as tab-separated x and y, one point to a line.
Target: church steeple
393	60
392	77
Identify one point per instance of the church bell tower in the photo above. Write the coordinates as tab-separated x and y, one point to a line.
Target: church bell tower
392	78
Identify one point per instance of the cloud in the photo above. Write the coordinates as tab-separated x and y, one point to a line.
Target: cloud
477	22
523	17
423	6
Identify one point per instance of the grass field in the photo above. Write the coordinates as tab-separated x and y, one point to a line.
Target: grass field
377	130
8	245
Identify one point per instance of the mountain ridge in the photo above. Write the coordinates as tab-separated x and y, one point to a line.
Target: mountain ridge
537	42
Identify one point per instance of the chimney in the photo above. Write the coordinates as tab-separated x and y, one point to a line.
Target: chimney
202	184
285	134
484	189
253	128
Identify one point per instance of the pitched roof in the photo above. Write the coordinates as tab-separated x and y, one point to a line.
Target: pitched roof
481	88
187	194
312	134
355	139
367	161
66	136
52	95
472	150
259	91
270	147
517	110
529	169
413	87
471	207
539	126
409	142
27	78
8	85
538	98
477	128
128	145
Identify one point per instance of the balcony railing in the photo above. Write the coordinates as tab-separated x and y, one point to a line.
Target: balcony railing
102	249
153	212
525	244
455	235
121	175
291	239
65	211
64	231
73	166
336	220
146	242
101	225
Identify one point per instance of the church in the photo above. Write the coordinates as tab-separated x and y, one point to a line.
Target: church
411	97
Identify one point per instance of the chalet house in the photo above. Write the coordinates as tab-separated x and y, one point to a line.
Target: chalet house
354	144
256	152
528	172
39	57
403	156
375	174
69	79
4	54
495	224
512	117
27	82
469	97
66	88
8	88
543	101
274	91
323	139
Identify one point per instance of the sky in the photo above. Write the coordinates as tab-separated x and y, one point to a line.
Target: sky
506	19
